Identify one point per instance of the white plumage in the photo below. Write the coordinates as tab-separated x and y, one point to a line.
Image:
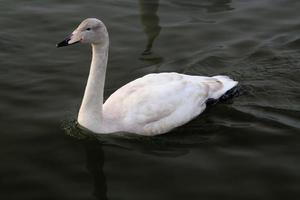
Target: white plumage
150	105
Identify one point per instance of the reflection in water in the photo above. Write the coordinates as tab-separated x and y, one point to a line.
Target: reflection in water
95	156
209	5
218	5
95	162
150	22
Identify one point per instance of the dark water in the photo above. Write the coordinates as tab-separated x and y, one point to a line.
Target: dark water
244	149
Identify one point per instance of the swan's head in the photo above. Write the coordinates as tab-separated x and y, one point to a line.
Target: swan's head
91	31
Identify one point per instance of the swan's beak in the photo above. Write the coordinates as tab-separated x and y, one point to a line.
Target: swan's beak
63	43
72	39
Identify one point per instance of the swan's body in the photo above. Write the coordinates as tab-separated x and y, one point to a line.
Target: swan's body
151	105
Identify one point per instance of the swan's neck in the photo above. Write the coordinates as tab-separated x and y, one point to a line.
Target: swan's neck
90	113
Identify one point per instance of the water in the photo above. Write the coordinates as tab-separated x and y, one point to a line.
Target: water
244	149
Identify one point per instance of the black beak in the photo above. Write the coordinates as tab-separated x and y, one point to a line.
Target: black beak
64	42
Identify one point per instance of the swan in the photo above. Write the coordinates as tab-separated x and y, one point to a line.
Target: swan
153	104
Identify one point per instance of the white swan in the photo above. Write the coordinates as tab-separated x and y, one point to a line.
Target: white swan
151	105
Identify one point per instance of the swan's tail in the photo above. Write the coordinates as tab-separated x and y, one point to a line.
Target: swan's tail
227	82
230	89
233	92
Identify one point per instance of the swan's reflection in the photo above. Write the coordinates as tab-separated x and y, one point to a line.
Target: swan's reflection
94	162
95	156
150	22
161	146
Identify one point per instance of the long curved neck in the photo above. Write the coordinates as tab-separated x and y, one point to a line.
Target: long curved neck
90	113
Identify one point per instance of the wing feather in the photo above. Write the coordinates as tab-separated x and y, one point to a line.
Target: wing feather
156	103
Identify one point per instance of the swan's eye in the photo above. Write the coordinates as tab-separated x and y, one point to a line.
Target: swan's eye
88	29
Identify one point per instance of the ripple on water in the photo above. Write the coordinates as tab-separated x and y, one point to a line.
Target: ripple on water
247	147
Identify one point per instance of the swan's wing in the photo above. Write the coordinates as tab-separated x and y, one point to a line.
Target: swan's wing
157	103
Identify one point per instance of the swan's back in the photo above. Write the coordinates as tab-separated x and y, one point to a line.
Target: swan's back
157	103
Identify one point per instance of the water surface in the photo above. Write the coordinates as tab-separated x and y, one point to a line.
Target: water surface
247	148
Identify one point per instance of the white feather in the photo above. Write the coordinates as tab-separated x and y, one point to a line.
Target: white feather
157	103
151	105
